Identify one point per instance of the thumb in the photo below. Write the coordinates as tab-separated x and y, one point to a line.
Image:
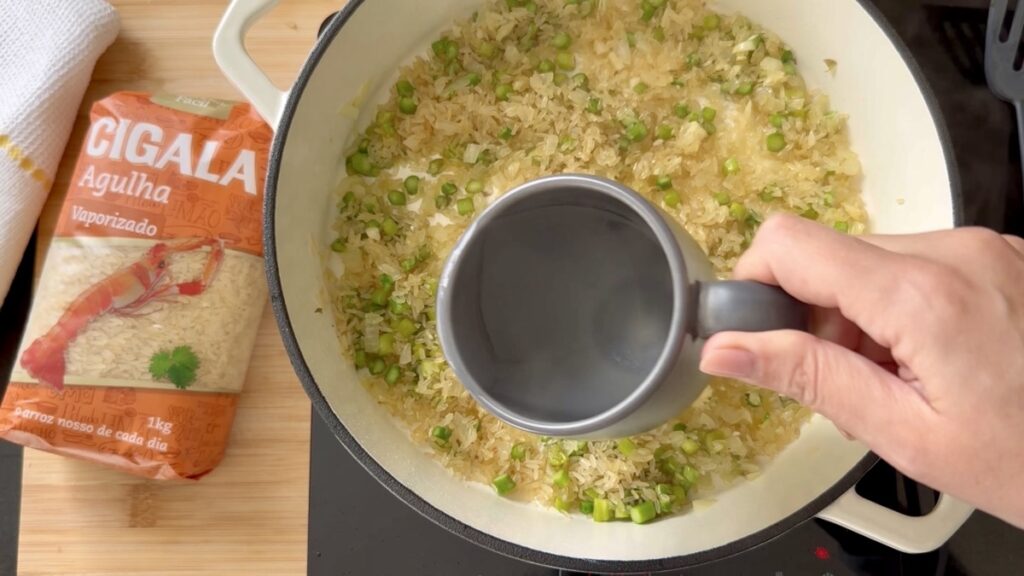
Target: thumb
855	393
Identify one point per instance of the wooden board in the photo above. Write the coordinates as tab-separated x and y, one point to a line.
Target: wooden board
249	515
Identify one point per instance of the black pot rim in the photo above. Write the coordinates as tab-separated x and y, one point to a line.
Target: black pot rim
440	518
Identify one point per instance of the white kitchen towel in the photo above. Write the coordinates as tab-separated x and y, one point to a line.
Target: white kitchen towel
47	52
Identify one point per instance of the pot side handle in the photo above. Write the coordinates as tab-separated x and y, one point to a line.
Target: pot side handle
910	534
234	60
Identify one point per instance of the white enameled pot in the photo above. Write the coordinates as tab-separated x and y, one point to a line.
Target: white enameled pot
908	187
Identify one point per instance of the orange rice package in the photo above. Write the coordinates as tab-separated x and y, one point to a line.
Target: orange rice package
145	314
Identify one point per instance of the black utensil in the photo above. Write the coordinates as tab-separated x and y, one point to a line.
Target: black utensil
1004	57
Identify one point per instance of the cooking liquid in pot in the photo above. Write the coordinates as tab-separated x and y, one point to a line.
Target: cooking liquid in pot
577	303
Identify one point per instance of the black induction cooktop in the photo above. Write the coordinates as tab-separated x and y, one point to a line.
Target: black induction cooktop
357	527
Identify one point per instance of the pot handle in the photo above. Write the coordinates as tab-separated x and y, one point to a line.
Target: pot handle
234	60
910	534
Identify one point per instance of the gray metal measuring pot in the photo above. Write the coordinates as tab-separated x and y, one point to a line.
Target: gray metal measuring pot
572	307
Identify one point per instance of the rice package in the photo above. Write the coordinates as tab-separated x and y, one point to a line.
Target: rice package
145	314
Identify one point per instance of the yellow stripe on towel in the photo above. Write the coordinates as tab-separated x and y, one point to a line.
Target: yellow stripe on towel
23	161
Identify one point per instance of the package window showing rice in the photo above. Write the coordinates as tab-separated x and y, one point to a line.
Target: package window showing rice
145	314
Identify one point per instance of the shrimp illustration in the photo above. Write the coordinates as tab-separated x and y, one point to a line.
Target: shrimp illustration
125	291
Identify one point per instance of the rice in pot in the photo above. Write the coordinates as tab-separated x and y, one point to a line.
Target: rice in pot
703	114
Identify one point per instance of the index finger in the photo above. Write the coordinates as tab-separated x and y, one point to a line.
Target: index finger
821	267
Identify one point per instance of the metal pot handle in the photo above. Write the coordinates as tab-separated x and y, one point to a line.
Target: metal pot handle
911	534
234	60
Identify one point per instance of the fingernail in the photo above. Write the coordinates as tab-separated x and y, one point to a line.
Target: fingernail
729	363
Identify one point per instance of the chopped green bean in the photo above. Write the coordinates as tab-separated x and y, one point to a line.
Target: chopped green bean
518	451
472	79
671	199
561	478
841	226
603	511
666	493
504	484
406	327
663	132
411	185
810	214
379	296
636	131
435	167
690	474
642	513
562	503
393	374
486	50
464	206
690	446
681	110
565	60
386	344
731	166
560	78
775	142
441	201
404	88
397	198
397	307
407	105
776	120
561	40
658	34
788	56
546	65
360	163
449	188
348	199
587	507
338	245
581	81
594	106
708	114
663	182
745	88
360	359
503	91
408	264
738	211
711	21
626	446
789	68
474	187
556	457
647	10
505	133
441	433
679	427
640	87
389	227
693	60
377	366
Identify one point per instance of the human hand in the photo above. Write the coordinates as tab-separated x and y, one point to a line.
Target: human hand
917	349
